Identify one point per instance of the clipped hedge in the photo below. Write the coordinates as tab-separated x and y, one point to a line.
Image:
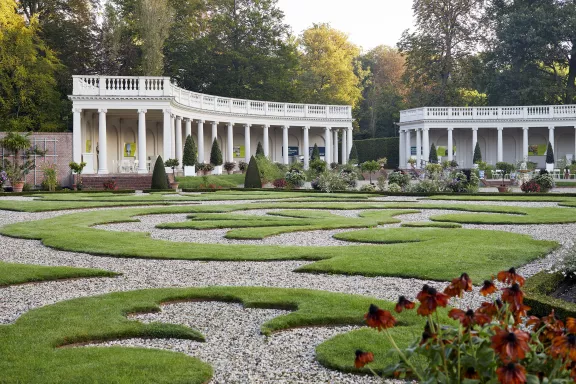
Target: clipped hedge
375	149
537	291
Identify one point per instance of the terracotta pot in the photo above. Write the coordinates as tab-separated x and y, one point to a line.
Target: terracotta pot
503	189
174	186
18	186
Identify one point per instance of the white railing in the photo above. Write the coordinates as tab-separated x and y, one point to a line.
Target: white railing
162	86
488	113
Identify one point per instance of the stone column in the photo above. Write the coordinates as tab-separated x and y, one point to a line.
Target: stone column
167	135
77	135
142	168
188	129
525	143
551	139
173	132
402	154
306	131
230	143
178	140
247	142
450	145
266	139
350	139
285	158
474	141
500	145
102	144
201	158
426	144
327	136
214	132
408	147
344	150
335	145
418	148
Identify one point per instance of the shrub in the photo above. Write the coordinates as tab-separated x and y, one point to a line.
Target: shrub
159	178
3	178
318	166
433	157
50	181
330	182
280	183
545	181
370	167
460	183
394	188
353	157
549	154
110	185
316	185
373	149
295	178
454	164
382	161
530	186
283	168
172	163
334	166
259	150
215	154
426	186
242	166
229	166
399	178
477	154
77	169
268	170
381	182
368	188
315	153
490	344
433	169
296	166
567	266
252	179
190	156
350	177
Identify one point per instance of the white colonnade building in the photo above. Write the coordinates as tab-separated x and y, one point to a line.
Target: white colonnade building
139	118
509	134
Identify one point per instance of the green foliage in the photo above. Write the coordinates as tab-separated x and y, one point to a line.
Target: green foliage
77	168
252	179
545	181
295	178
159	177
367	188
14	142
399	178
50	181
433	157
259	150
353	156
477	154
550	154
370	167
315	153
374	149
269	171
172	163
23	273
215	154
190	155
318	166
154	19
538	290
331	182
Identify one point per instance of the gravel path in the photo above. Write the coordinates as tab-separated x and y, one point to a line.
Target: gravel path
234	346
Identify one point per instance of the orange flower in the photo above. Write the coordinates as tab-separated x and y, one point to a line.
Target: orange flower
490	309
510	277
510	345
403	303
430	299
571	324
488	288
469	318
513	296
511	374
564	346
459	286
379	318
363	358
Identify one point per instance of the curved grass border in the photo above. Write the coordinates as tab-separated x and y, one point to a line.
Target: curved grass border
13	273
32	353
438	260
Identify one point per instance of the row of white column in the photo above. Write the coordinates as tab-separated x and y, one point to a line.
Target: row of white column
423	155
173	146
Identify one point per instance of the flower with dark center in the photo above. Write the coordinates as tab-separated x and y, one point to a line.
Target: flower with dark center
471	373
363	358
458	286
489	309
430	300
510	277
571	324
469	318
513	296
564	346
511	374
510	345
379	318
423	293
488	288
403	303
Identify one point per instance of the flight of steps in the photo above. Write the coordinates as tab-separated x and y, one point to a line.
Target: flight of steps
123	181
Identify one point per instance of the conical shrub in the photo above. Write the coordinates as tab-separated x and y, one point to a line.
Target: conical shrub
433	158
190	157
315	153
550	154
159	178
252	179
353	153
477	154
260	150
216	154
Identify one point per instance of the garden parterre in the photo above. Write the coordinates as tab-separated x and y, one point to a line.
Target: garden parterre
508	249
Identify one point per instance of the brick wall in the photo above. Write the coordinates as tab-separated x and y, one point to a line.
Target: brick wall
58	146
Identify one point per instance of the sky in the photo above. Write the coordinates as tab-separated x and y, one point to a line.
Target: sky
368	23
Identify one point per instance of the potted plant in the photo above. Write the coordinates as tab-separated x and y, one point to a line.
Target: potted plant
477	156
229	166
550	158
190	157
208	168
370	167
173	163
16	170
77	169
506	168
242	166
216	157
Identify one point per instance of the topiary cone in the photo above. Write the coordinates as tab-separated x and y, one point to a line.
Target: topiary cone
216	154
159	178
252	179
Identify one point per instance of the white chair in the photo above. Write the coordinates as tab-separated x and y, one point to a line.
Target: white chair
556	174
135	168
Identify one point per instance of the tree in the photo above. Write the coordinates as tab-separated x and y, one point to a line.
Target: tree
315	153
371	167
159	177
259	150
190	156
477	154
29	99
331	73
16	143
252	179
433	157
215	154
353	157
447	32
154	18
550	154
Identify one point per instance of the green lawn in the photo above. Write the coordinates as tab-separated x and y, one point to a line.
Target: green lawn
12	273
31	348
224	181
435	256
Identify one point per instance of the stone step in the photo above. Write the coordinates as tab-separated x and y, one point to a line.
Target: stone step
123	181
